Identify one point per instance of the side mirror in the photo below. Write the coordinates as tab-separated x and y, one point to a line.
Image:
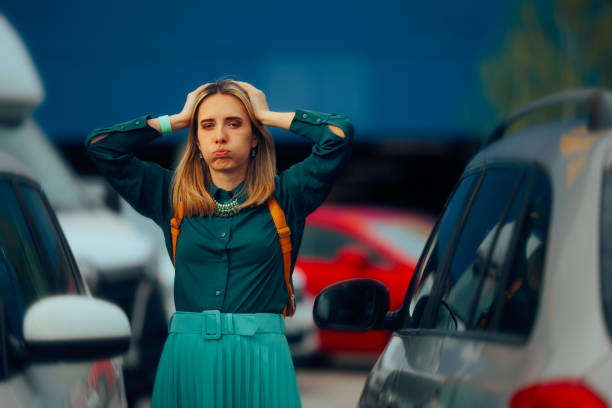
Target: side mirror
353	305
354	257
75	328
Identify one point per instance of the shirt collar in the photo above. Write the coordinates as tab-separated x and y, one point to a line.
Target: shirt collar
223	195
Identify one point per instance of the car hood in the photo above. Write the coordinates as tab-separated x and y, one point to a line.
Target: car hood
104	240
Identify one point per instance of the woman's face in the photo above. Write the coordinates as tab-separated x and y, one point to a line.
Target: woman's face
225	136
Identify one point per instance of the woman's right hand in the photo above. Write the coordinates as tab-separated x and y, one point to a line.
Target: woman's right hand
184	116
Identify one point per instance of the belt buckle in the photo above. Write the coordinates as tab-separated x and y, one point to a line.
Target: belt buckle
211	324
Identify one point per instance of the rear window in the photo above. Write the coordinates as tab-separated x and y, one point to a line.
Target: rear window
408	237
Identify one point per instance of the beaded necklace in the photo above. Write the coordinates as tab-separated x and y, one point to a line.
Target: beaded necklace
228	209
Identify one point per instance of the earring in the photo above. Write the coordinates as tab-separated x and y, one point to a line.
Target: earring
201	157
253	152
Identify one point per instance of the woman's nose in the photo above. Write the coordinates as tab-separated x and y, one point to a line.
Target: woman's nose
220	135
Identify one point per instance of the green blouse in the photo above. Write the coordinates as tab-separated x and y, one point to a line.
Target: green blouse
233	264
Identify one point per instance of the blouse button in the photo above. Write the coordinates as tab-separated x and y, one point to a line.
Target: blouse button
223	235
138	122
304	116
318	119
218	292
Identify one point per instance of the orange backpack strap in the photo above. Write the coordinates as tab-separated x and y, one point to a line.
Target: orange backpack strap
284	234
175	229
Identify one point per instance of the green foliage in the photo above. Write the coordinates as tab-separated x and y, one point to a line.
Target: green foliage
554	45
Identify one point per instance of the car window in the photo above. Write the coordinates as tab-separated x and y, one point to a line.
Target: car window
407	236
432	257
25	265
59	274
606	247
461	284
490	260
325	243
519	300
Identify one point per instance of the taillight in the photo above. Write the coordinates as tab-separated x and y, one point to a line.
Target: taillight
563	394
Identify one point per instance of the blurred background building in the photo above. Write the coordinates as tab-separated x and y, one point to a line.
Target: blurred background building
422	81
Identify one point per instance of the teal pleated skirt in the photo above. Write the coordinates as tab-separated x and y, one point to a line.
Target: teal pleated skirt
238	360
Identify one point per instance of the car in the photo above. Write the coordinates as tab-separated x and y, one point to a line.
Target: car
511	301
119	263
346	241
56	341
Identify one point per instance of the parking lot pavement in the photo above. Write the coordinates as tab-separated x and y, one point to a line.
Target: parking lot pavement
321	388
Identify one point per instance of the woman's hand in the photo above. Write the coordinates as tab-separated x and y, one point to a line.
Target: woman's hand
258	100
262	111
182	119
184	116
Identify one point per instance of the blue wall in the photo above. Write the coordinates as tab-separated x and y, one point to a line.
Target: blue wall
397	68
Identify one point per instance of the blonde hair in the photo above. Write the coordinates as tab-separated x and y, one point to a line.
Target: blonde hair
192	176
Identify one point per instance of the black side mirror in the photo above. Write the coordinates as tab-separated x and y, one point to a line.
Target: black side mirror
353	305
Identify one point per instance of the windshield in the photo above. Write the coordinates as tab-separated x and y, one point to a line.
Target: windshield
409	236
28	144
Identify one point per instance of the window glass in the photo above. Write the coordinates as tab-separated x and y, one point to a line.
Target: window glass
21	268
432	256
462	281
408	236
520	298
606	247
59	277
325	243
25	275
491	259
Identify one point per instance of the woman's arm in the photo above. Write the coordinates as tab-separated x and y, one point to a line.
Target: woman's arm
280	120
145	185
178	121
305	185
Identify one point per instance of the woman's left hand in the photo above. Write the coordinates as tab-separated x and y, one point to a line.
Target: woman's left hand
258	100
262	112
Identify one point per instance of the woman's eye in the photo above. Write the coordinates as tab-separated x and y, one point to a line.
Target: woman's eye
207	126
234	124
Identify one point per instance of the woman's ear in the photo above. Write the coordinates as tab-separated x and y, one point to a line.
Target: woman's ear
254	140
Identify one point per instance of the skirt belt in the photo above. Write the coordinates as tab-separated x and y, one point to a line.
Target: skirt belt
212	324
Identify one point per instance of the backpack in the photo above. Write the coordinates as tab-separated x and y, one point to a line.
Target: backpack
284	235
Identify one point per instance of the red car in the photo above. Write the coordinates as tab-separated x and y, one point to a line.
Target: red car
343	242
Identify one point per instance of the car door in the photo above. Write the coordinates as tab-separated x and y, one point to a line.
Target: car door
410	373
459	278
505	308
35	262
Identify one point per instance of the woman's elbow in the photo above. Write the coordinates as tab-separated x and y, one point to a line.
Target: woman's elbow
341	126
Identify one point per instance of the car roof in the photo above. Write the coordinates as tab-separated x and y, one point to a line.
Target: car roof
546	145
10	165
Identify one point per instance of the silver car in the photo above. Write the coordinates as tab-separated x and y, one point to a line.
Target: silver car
55	339
511	302
119	263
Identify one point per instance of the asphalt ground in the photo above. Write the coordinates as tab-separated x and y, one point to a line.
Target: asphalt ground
320	388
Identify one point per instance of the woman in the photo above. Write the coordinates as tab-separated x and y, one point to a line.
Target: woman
226	346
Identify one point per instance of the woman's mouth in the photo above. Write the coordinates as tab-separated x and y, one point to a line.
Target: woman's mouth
221	153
